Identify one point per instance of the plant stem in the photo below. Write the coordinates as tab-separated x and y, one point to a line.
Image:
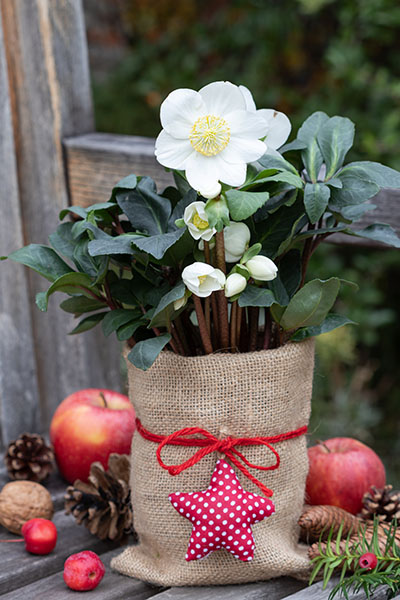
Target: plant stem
222	300
181	331
239	318
205	338
103	399
11	541
207	314
214	306
177	341
207	256
267	329
118	226
234	326
253	312
110	301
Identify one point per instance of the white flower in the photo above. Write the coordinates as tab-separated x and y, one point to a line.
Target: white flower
180	302
235	283
202	279
236	240
196	220
210	135
279	126
262	268
212	192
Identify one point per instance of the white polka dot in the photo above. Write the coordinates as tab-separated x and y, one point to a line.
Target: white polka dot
201	499
245	553
220	483
241	548
220	493
203	539
198	522
204	528
244	513
211	534
211	544
204	516
214	479
205	504
227	476
237	531
189	516
224	533
192	552
250	507
216	539
256	504
197	533
196	496
219	504
211	522
231	526
232	514
248	558
251	496
234	492
225	522
235	543
193	506
238	507
220	472
225	465
176	504
233	503
181	510
230	537
213	498
239	520
177	493
218	516
199	511
248	542
198	546
198	556
244	500
268	507
244	537
217	528
261	512
228	487
225	510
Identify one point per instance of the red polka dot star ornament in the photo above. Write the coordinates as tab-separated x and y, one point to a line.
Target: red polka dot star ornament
222	515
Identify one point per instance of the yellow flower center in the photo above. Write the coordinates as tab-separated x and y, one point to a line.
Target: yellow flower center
199	222
202	278
210	135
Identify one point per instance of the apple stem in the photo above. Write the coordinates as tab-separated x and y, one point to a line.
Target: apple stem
104	399
11	541
321	443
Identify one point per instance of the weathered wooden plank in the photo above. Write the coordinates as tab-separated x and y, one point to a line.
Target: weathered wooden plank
275	589
98	160
18	380
316	592
47	58
20	568
112	587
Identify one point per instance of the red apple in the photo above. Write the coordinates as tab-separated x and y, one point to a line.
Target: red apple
88	426
341	471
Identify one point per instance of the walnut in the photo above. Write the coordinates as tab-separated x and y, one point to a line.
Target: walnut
21	501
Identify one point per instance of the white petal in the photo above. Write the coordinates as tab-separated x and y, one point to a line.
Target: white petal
222	97
180	110
248	97
231	173
243	150
171	152
279	127
220	277
201	172
247	124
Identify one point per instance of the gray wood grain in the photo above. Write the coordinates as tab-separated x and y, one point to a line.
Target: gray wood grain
49	79
112	587
96	162
18	567
316	592
275	589
18	379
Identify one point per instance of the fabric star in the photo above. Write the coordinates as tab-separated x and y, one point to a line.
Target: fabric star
222	515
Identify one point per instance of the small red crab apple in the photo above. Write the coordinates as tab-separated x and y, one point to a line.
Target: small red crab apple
40	536
83	571
368	561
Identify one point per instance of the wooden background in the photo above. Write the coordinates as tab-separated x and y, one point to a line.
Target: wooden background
50	156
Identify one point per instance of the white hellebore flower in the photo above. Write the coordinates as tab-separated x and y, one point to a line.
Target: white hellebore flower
202	279
278	124
211	135
235	283
262	268
196	220
236	240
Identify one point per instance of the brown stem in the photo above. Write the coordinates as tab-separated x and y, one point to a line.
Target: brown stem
253	312
220	251
267	329
207	253
173	346
238	324
223	320
243	338
182	336
118	226
234	326
207	314
110	301
205	338
11	541
103	398
214	306
192	332
177	340
93	294
323	444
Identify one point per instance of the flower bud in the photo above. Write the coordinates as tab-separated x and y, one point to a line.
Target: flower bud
180	302
262	268
235	283
211	192
197	222
236	240
202	279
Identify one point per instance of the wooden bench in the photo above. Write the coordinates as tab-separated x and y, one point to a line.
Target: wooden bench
50	156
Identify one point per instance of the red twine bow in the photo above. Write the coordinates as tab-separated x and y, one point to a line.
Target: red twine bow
209	443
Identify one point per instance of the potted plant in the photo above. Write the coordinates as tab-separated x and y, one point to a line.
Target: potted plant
206	283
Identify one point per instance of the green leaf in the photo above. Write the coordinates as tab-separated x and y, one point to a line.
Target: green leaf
307	133
335	138
382	176
331	322
80	304
256	296
145	209
273	160
217	212
41	259
70	283
127	183
62	240
157	245
244	204
280	227
316	198
115	318
126	331
177	213
279	291
277	311
181	181
290	271
88	323
379	232
167	302
144	353
357	188
295	145
251	252
311	304
121	244
75	210
285	176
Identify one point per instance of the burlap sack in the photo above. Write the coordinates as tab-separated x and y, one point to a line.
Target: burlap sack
243	395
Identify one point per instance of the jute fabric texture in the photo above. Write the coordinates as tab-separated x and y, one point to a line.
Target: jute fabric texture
242	395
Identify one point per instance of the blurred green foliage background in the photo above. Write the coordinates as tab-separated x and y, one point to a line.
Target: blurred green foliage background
297	56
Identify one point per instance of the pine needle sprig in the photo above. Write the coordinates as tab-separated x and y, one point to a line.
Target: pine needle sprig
345	552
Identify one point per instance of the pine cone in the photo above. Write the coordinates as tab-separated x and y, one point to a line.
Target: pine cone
103	504
29	457
317	521
382	503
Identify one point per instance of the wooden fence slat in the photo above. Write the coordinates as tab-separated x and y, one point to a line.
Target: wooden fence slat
18	380
96	161
47	58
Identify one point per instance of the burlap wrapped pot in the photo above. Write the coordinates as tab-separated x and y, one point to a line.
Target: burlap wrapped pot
241	395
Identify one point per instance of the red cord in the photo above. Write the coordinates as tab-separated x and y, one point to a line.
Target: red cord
209	443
